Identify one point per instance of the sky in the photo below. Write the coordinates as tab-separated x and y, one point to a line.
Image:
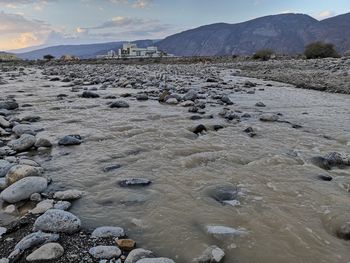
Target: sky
28	23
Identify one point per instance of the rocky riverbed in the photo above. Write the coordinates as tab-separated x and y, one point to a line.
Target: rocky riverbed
192	161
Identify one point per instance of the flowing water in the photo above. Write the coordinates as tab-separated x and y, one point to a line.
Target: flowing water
284	207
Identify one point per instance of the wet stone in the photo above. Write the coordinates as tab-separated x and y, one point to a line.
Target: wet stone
134	182
108	231
112	167
199	129
105	252
126	244
119	104
70	140
325	177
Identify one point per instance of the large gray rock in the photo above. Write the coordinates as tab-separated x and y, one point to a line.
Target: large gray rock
23	143
48	251
155	260
23	189
32	240
68	195
137	254
19	172
108	231
21	129
55	220
105	252
3	184
62	205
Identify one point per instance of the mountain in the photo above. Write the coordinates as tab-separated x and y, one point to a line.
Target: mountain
81	51
285	33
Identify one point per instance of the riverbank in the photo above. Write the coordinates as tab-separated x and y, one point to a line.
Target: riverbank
329	75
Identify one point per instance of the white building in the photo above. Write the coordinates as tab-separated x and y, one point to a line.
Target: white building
130	50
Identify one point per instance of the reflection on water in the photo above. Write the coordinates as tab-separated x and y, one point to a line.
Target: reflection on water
282	203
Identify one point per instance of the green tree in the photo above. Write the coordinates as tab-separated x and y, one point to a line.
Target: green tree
48	57
320	50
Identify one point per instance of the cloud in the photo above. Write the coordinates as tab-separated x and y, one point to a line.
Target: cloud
325	14
16	31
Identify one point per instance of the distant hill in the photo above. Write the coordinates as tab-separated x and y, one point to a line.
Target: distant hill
81	51
285	33
7	56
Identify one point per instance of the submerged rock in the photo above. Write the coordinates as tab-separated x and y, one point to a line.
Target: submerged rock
90	95
268	117
331	160
134	182
42	142
225	194
57	221
23	189
70	140
224	231
199	129
119	104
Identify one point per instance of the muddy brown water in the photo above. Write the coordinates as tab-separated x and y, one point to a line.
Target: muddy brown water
283	206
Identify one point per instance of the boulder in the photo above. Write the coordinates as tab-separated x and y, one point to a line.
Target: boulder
19	172
24	143
56	221
23	189
48	251
268	117
190	95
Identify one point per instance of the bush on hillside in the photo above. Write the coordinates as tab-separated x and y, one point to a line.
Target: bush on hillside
263	54
320	50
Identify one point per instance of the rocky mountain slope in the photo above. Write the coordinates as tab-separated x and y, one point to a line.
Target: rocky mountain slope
285	33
